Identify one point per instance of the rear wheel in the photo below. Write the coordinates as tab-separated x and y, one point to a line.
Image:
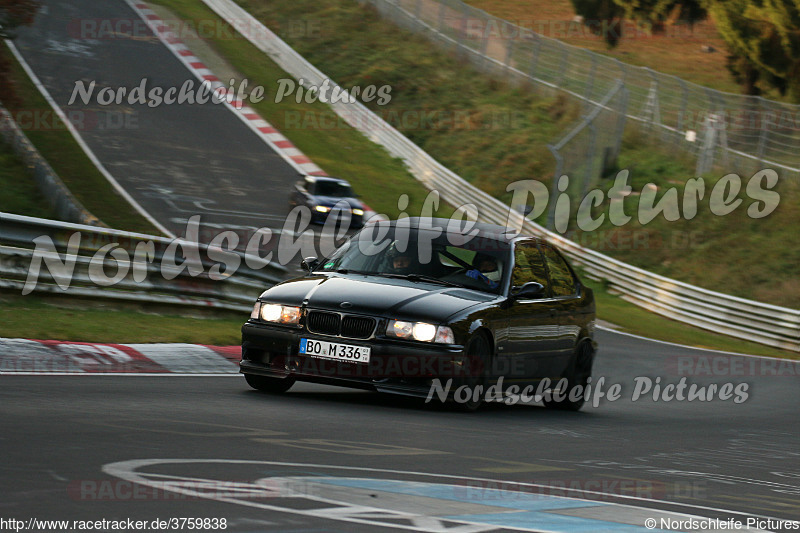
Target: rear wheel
577	374
478	358
270	385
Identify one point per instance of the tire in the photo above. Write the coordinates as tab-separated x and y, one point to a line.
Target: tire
578	373
478	354
270	385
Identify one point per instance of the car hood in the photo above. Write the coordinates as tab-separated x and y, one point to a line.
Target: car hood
377	296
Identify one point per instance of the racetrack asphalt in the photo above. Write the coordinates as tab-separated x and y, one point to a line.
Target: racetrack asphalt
68	442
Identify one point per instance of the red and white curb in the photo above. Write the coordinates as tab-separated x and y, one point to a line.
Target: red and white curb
249	116
27	356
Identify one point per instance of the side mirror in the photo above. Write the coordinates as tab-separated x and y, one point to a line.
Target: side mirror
309	264
529	290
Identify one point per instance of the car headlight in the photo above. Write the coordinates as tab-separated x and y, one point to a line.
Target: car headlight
420	331
322	209
256	312
358	212
280	314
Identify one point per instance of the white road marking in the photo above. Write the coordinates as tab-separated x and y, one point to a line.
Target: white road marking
127	470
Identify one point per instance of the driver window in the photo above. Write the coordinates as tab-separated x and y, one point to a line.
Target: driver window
528	266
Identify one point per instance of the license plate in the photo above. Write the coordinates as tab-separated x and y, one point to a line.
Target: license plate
334	350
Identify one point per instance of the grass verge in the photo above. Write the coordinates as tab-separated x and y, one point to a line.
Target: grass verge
56	144
65	318
20	194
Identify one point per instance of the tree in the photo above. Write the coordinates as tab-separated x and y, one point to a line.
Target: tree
763	37
13	13
659	13
607	15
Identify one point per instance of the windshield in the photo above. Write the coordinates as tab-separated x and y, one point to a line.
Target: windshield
333	188
423	255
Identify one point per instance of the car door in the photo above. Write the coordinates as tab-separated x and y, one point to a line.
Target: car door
566	304
532	328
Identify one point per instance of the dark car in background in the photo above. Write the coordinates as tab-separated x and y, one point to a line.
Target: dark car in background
328	197
406	302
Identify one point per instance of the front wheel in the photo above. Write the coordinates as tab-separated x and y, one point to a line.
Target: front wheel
270	385
577	374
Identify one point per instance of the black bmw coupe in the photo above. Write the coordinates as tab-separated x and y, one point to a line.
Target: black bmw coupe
328	198
422	305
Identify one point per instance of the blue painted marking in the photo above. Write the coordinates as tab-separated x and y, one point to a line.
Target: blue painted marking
526	510
303	343
552	522
521	501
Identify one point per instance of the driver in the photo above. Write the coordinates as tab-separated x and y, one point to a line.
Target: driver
482	265
401	263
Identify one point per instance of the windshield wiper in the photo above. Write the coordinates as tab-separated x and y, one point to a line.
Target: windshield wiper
420	277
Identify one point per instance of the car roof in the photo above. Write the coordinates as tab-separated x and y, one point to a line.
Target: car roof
485	230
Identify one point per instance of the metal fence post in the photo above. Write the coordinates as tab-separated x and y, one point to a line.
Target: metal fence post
705	159
650	111
551	214
682	112
762	138
535	59
588	175
509	51
590	83
623	115
484	43
563	72
717	123
463	28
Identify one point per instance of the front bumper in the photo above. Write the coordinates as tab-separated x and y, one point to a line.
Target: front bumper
356	221
395	366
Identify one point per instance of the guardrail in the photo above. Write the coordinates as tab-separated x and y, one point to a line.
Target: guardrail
112	264
744	319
